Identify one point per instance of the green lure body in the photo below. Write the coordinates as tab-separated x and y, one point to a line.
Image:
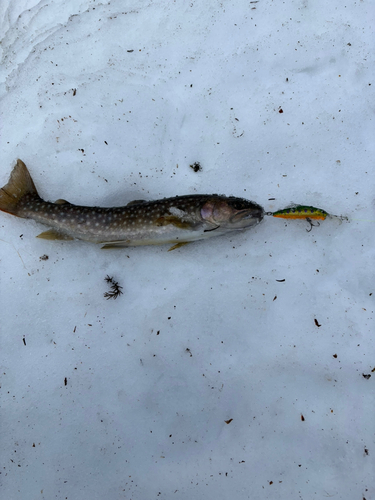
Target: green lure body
301	212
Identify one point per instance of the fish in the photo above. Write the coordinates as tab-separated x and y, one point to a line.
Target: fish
178	220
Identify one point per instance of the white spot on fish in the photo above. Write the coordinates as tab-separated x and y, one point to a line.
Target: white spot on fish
177	212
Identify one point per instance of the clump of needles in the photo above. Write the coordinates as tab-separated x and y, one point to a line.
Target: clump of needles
196	166
115	288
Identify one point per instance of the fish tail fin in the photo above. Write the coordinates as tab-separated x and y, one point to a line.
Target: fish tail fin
20	183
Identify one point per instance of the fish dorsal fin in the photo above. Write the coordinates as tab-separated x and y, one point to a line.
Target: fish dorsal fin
136	202
60	201
52	234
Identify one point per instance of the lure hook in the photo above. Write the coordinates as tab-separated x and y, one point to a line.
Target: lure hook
311	224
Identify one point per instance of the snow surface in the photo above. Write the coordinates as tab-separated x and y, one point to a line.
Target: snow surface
273	328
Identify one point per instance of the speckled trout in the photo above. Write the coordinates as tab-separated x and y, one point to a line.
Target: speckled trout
176	221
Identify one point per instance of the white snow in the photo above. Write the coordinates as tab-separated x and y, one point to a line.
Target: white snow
111	101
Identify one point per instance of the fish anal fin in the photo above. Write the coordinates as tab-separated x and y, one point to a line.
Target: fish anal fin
135	202
179	245
52	234
175	221
60	201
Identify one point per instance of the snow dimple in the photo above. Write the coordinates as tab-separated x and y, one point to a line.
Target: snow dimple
20	45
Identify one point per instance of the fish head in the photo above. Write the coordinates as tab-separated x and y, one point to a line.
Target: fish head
232	213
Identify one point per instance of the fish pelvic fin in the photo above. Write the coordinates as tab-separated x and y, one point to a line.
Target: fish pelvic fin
20	184
52	234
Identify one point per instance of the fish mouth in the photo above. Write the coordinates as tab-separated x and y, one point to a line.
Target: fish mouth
249	215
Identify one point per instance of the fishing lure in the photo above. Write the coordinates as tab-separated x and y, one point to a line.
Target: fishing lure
304	212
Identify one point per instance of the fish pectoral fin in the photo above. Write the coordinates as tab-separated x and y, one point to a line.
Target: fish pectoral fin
175	221
52	234
179	245
110	245
136	202
60	201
